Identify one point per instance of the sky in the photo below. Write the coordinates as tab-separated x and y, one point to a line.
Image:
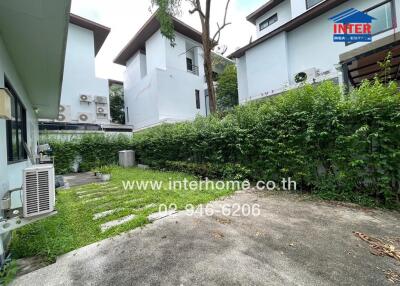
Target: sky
126	17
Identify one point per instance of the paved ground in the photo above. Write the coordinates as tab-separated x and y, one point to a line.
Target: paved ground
80	179
292	242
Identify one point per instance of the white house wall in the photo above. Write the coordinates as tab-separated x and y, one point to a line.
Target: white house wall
267	68
167	92
11	175
177	95
271	65
79	74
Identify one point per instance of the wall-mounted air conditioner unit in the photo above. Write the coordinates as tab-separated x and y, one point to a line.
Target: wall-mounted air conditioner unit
101	110
64	113
101	100
38	191
86	98
85	117
308	76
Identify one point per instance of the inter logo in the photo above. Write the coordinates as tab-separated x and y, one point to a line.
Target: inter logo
352	26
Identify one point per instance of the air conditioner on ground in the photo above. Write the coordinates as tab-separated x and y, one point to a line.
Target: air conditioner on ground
38	191
308	76
85	118
101	99
64	113
85	98
101	110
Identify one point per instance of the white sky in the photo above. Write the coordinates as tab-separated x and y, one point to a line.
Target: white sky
126	17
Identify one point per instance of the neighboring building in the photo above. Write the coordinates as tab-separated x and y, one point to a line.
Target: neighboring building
163	83
32	48
295	37
85	98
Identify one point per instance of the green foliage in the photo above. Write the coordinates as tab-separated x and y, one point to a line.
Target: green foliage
344	148
166	9
117	104
8	272
91	151
338	147
227	89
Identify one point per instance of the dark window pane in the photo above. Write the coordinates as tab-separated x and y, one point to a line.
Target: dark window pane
16	128
198	99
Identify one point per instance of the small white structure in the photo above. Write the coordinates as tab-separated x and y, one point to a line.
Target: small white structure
163	83
296	36
85	98
32	50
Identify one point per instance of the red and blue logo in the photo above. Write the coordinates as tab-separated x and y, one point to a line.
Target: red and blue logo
352	26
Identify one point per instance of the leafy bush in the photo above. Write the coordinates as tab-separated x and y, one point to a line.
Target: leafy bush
341	147
91	151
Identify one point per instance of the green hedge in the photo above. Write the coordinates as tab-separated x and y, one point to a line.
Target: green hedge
91	151
342	147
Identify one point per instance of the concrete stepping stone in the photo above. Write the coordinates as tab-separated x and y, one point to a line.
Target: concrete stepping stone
90	195
160	215
146	207
92	200
106	213
106	226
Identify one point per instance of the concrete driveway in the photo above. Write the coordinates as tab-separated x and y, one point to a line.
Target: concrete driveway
293	241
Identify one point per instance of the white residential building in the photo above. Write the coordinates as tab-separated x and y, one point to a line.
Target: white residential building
32	48
163	83
85	98
296	36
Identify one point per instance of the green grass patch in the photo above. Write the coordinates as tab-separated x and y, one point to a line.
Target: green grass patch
73	227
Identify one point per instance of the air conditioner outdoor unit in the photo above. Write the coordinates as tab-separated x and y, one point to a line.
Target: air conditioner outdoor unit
85	118
101	100
101	110
64	114
38	191
308	75
85	98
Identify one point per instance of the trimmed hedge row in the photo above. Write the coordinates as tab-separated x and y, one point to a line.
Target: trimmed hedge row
88	152
341	147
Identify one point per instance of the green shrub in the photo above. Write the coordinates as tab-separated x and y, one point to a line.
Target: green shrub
341	147
91	151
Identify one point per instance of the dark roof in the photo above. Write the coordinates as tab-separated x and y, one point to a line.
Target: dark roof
262	10
352	16
152	26
114	81
100	32
291	25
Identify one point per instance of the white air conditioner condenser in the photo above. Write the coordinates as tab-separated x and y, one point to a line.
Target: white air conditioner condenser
38	190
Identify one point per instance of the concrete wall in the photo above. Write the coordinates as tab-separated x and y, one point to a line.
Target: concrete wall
167	92
80	77
272	65
11	175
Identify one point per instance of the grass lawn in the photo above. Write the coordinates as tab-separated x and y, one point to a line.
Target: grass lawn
73	227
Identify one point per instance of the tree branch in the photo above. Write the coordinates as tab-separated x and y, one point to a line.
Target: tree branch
217	36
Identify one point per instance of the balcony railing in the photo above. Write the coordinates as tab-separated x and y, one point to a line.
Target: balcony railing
193	69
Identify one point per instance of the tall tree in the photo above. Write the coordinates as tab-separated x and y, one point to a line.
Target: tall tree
169	8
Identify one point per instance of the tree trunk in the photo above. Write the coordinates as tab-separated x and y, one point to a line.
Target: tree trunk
208	69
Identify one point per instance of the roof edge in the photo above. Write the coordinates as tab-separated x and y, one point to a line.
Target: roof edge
252	18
